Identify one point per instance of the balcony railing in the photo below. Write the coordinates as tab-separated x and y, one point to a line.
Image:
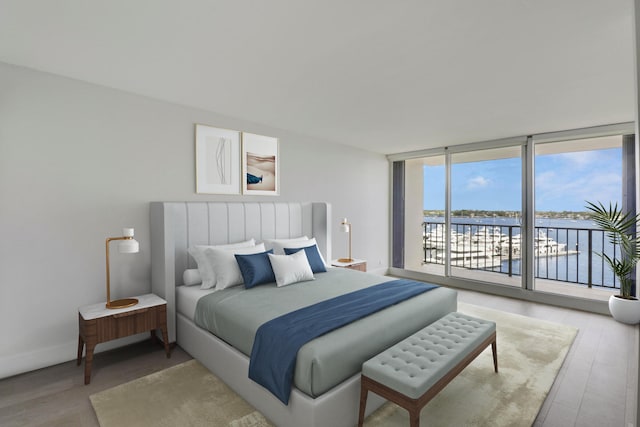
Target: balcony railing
562	254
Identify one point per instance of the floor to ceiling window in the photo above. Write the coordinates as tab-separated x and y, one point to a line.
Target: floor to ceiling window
511	213
566	244
486	202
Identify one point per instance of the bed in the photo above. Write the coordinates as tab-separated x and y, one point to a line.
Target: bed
320	397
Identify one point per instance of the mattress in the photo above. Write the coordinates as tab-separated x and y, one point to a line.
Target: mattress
235	314
187	298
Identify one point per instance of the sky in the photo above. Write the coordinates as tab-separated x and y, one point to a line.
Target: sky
563	182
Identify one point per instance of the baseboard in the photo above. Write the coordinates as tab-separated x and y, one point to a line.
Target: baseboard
382	271
44	357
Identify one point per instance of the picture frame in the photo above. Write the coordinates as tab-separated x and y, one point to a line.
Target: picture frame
217	160
260	161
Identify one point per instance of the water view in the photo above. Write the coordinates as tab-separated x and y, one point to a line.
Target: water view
564	248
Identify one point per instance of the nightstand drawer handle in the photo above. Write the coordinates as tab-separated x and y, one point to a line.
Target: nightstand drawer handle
130	313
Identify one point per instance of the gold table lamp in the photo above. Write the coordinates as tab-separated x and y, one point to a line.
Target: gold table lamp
345	227
127	245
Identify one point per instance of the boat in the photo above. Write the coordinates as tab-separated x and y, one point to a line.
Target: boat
465	252
543	245
487	248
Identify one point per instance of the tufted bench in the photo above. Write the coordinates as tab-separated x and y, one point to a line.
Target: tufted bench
414	370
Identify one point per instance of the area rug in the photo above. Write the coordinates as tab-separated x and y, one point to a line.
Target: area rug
186	395
530	354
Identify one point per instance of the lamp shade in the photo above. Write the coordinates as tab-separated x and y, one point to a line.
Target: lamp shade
344	225
129	246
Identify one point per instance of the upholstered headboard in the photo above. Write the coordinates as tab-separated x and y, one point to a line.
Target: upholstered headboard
175	226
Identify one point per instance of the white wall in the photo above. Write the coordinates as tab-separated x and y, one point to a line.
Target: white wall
78	162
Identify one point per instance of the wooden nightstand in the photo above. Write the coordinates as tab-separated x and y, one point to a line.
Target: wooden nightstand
356	264
99	324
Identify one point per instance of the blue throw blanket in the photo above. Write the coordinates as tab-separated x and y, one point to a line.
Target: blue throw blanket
276	345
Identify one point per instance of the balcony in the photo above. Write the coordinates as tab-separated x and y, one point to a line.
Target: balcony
565	259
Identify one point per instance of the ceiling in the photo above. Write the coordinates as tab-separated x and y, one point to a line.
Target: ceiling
386	76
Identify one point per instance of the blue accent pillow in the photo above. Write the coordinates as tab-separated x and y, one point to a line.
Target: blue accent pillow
255	268
313	256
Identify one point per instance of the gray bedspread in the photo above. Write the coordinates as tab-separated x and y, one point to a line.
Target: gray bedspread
235	314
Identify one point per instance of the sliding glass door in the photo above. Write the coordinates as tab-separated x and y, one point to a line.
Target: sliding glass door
486	201
478	236
568	173
511	213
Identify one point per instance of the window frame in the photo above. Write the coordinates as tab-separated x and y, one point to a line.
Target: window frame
527	144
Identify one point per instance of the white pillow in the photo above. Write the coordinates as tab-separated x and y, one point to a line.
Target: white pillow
225	265
191	276
278	244
300	244
207	274
290	269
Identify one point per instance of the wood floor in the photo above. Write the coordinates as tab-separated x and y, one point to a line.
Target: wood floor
598	382
596	386
56	396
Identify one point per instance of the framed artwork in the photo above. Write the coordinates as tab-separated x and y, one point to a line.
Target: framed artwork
259	165
217	160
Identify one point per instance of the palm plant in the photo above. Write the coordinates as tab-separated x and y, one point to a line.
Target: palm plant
620	229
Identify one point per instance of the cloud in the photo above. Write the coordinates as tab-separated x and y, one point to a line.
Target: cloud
580	159
478	182
560	192
564	181
546	179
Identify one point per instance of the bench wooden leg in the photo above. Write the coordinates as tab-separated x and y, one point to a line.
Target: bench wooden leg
364	391
414	417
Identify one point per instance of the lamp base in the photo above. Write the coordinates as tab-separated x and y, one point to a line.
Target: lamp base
122	303
345	260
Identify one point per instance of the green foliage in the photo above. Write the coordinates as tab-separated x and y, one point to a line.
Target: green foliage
620	229
479	213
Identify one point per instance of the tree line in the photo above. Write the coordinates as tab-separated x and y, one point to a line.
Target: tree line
509	214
